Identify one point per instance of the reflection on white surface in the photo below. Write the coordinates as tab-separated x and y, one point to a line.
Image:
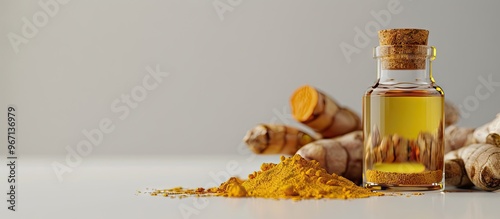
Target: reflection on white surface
105	187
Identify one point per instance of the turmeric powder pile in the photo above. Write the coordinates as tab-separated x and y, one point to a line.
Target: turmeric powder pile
293	178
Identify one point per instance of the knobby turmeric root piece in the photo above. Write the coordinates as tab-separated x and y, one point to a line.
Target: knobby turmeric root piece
318	111
493	139
342	155
481	133
455	174
457	137
481	163
276	139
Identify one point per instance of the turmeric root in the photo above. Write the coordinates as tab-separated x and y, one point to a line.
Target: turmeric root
457	137
476	164
342	155
318	111
481	133
276	139
455	174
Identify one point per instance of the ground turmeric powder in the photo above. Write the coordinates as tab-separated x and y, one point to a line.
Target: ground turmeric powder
293	178
298	178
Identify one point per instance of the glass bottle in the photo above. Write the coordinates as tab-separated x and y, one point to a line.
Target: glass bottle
403	120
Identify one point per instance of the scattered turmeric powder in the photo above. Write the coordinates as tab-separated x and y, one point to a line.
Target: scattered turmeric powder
293	178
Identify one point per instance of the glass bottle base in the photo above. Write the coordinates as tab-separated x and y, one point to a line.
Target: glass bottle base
398	187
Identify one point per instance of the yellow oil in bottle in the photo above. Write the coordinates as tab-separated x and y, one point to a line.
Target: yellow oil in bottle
406	116
404	145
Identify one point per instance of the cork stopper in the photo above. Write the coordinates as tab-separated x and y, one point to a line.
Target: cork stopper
403	37
403	48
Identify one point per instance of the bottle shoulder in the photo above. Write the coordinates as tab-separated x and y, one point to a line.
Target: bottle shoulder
405	90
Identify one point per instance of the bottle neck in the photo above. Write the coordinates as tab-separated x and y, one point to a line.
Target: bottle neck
405	76
405	65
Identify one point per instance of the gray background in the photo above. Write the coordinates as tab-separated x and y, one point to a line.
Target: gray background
226	75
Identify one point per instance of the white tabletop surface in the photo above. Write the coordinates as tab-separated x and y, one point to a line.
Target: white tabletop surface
106	187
